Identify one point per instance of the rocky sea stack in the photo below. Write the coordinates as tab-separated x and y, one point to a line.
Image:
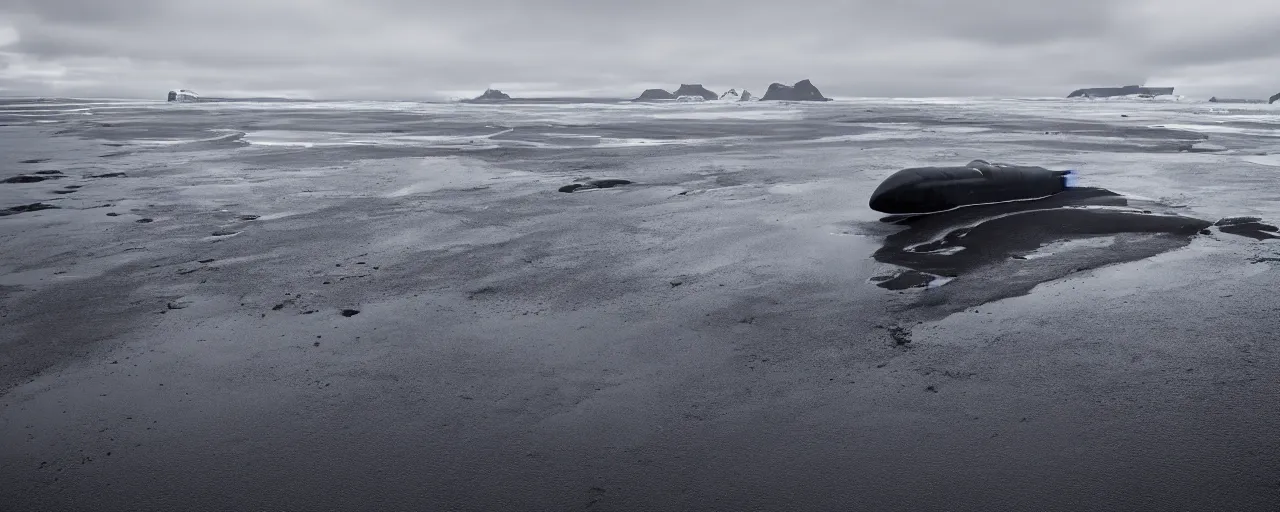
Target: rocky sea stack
803	90
1274	98
492	95
695	90
656	94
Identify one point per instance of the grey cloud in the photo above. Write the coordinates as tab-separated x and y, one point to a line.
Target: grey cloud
410	49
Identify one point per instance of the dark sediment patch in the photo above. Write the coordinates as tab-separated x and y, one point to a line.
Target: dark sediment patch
33	207
35	161
1251	227
592	184
27	178
1002	250
904	280
109	175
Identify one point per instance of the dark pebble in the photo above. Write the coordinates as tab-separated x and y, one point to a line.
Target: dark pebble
35	161
350	313
224	232
277	307
48	173
110	175
113	214
210	260
145	221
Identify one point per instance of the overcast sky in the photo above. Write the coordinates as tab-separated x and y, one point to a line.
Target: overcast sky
434	49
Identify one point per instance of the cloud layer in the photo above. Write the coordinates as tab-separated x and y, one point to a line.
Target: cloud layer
409	49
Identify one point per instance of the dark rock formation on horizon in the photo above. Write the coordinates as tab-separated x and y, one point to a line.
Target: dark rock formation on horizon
492	95
1128	90
1274	98
746	96
656	94
803	90
695	90
1216	99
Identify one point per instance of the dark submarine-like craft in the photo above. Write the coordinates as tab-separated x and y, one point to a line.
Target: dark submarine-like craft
989	231
923	190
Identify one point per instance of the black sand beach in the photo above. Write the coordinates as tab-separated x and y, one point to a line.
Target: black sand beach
384	306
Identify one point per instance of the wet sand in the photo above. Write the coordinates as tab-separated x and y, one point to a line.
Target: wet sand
352	328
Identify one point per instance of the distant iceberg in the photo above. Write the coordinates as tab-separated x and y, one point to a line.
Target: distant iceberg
183	95
1128	90
1216	99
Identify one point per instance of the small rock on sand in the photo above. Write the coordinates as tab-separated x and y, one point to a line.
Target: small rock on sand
110	175
350	312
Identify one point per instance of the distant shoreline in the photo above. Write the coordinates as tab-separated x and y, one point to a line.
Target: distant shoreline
589	100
